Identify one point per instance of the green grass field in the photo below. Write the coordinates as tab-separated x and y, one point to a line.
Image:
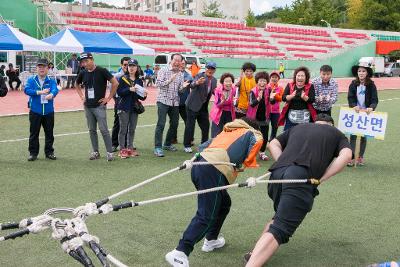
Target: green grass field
354	221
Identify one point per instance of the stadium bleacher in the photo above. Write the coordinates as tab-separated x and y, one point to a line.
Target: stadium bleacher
217	37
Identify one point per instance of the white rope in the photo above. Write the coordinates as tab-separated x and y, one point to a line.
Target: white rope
267	175
256	180
162	199
142	183
289	181
188	165
115	261
87	210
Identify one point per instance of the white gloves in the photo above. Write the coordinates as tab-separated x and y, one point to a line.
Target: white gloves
251	182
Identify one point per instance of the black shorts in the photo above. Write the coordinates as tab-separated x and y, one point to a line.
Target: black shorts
292	202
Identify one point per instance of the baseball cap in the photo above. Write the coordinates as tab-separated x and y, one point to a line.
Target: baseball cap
133	62
274	73
85	56
211	65
43	61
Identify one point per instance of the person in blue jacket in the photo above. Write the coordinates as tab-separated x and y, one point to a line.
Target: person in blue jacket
130	91
41	91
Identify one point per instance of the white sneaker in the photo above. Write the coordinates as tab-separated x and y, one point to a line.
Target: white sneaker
188	150
177	258
210	245
110	156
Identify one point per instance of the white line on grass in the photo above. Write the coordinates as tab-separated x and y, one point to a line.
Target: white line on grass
68	134
147	125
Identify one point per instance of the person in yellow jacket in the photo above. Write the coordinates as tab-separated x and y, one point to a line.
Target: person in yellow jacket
281	70
244	86
238	143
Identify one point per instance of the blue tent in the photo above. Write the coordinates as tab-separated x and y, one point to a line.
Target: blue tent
69	40
12	39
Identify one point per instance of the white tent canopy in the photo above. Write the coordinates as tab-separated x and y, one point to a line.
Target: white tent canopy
13	40
69	40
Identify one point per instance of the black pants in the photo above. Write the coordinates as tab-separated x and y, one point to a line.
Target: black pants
226	117
10	82
182	112
202	119
37	120
240	115
292	202
115	129
363	145
327	112
264	131
274	117
71	81
212	208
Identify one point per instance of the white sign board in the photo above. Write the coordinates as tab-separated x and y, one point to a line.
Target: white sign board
362	124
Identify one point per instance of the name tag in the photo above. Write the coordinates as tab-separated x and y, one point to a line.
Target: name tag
43	99
90	93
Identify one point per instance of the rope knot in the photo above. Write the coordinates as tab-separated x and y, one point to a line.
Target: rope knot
87	210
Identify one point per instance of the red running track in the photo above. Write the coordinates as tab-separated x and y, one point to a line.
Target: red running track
15	103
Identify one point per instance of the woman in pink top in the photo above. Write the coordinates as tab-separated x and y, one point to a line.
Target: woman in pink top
275	99
223	110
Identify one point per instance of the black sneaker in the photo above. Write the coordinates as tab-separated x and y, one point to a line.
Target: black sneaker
32	158
51	156
114	148
247	256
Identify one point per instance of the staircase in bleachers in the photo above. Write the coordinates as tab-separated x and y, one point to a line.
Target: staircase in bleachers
307	42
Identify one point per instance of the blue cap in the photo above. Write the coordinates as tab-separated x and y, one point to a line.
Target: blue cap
211	65
42	61
133	62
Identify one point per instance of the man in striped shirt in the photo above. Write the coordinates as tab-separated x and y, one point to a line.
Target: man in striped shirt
326	91
169	81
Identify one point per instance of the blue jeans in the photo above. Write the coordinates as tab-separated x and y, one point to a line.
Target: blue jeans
173	114
212	208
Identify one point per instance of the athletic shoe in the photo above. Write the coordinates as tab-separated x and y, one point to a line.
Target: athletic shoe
133	152
350	163
360	161
158	152
94	155
124	153
110	156
51	156
263	156
177	258
210	245
170	148
114	148
188	150
32	158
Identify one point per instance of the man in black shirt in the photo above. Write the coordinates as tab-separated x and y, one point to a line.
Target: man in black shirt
94	79
302	152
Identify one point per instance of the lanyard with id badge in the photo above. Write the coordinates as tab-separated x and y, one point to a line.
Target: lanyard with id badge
90	90
43	99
